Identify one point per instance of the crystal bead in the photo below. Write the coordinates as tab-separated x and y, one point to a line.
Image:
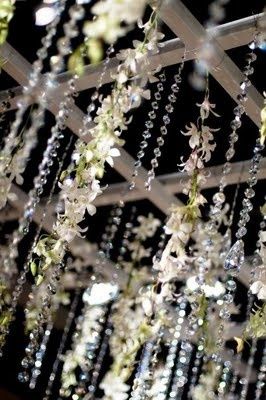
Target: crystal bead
241	232
239	110
249	193
248	70
219	197
229	154
235	124
231	285
77	12
23	377
160	141
63	45
235	258
169	108
175	88
247	204
157	96
252	45
160	87
251	57
228	298
252	181
152	115
166	119
172	98
149	124
163	130
155	105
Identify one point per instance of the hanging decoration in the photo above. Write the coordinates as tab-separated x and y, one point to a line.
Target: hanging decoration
153	307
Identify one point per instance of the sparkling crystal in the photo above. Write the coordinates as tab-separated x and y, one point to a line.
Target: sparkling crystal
249	193
235	258
247	204
219	197
235	124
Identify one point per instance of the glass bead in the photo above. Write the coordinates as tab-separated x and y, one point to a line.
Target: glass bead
163	130
149	124
235	258
152	115
172	98
249	193
235	124
175	88
252	181
247	204
160	141
239	110
225	314
157	96
77	12
169	108
241	232
230	285
155	105
166	119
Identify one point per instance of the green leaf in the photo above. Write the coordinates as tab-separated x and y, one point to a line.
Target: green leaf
39	280
33	268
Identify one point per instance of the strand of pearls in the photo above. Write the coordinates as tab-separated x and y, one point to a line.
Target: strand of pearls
169	108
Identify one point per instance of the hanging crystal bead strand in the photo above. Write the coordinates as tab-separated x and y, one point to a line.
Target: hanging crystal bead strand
149	124
98	365
172	352
34	81
239	110
261	382
181	370
139	387
34	198
36	370
87	119
169	108
196	366
224	380
246	379
235	257
42	320
76	13
61	349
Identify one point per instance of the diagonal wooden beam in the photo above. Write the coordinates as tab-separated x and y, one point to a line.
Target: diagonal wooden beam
230	35
180	20
19	69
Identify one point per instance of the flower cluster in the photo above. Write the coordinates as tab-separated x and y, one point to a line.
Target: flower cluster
113	18
206	388
81	183
175	262
6	14
35	305
130	324
87	333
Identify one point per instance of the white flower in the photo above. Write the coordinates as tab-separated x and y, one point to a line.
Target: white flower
259	288
113	387
214	290
147	226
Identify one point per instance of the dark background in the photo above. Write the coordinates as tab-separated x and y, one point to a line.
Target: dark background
25	37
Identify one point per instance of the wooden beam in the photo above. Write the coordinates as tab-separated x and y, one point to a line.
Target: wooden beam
180	20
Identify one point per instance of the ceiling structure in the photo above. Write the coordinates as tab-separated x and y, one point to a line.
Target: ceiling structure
188	30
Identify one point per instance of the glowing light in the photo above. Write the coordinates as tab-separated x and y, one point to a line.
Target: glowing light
44	15
100	293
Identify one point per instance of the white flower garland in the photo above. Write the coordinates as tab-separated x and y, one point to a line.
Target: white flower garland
81	183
